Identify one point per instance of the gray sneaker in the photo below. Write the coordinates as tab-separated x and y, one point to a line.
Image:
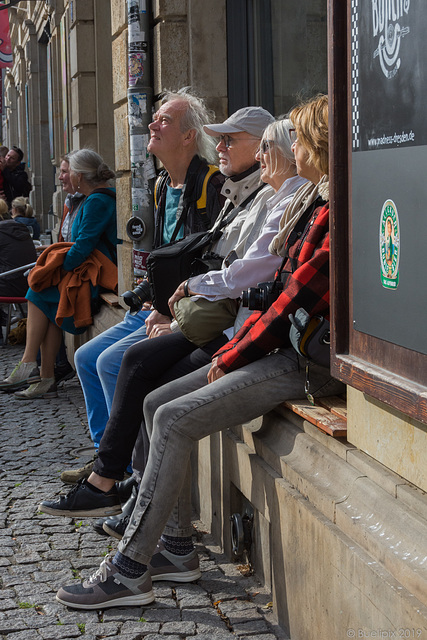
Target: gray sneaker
45	388
72	476
107	588
24	373
167	566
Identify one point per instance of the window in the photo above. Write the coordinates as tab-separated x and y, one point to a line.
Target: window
277	52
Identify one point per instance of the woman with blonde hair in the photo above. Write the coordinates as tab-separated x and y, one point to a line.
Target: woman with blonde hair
22	212
93	228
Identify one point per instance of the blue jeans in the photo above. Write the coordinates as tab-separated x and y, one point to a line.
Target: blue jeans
98	364
186	410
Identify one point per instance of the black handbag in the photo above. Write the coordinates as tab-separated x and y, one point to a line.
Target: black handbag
178	260
171	264
310	337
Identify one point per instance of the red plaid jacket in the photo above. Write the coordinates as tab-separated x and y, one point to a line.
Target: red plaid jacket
307	286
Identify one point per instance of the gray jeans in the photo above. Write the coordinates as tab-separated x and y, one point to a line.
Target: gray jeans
186	410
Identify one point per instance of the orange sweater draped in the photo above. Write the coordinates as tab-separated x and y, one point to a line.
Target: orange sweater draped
73	286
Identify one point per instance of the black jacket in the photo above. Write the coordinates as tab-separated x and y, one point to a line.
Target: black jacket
15	183
195	219
16	250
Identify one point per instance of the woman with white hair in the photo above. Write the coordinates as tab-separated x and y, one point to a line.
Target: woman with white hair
93	228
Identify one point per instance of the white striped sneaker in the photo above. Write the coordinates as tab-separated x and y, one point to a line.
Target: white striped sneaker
24	373
46	388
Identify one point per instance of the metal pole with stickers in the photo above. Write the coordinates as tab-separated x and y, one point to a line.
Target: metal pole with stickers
140	100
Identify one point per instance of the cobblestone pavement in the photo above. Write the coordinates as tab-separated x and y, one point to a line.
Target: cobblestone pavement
40	553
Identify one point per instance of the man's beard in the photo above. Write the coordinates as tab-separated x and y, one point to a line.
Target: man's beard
226	171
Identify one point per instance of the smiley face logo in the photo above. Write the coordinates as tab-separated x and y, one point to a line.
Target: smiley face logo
385	19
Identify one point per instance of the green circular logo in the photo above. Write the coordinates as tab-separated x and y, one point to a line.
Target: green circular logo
389	245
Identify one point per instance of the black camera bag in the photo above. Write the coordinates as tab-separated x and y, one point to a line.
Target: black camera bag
171	264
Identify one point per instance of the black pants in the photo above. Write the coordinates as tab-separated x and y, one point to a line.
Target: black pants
146	366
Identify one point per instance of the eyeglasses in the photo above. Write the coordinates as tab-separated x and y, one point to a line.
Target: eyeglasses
229	141
265	146
293	135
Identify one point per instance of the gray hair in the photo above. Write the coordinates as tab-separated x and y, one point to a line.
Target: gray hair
278	133
196	115
90	165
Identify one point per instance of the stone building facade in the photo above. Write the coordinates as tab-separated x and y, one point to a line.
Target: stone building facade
58	92
339	526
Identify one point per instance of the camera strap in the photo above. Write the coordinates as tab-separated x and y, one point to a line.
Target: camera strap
192	194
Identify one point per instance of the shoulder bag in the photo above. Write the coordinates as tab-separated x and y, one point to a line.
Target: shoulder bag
202	320
178	260
310	337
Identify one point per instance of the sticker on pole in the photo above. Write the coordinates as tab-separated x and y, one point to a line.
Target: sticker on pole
389	245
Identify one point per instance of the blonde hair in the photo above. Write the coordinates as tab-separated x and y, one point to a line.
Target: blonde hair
4	210
311	127
22	206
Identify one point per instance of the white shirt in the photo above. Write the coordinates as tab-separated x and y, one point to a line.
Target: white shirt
256	264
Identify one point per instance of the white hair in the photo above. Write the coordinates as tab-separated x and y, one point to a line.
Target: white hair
278	133
196	115
90	165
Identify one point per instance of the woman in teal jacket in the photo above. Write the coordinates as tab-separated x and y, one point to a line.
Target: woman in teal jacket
93	228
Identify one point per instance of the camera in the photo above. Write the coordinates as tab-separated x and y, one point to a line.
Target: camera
136	298
261	297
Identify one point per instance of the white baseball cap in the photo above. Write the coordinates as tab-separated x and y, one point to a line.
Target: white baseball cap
253	120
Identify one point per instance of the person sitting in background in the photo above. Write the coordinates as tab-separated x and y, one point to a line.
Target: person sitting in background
3	152
15	178
94	228
73	201
16	250
22	212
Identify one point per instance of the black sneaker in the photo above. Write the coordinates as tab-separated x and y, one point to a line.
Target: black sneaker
116	525
107	588
98	526
83	501
63	372
125	488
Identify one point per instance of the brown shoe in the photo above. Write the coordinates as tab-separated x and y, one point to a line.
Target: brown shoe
72	476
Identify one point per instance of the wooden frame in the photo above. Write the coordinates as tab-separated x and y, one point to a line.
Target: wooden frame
392	374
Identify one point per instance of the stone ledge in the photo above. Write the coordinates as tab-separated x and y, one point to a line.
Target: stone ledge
382	513
342	581
395	536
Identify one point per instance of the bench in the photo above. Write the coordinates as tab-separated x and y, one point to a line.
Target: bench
328	414
110	298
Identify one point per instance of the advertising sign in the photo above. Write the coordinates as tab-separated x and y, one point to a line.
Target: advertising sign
389	156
